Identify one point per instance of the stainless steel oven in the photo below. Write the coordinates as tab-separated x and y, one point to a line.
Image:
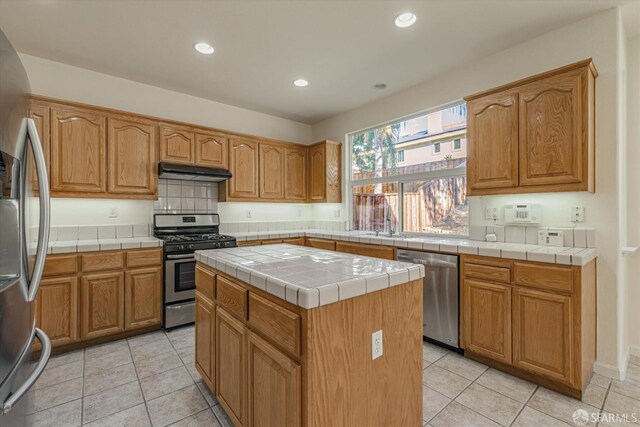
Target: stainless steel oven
179	278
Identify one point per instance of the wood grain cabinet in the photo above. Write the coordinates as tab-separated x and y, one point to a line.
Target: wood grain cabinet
534	135
211	150
40	114
205	339
244	165
133	167
274	386
325	165
143	297
272	168
78	152
295	173
176	145
57	309
102	304
231	357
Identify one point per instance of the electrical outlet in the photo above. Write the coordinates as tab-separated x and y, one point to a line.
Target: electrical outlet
299	213
249	215
336	213
376	345
577	214
113	212
491	213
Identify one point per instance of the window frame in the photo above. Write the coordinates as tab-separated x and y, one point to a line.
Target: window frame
398	156
453	144
400	180
439	145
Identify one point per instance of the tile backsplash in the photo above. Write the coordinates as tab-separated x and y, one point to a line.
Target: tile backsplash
186	197
573	237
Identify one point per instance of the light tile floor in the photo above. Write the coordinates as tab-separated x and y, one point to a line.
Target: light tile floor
151	380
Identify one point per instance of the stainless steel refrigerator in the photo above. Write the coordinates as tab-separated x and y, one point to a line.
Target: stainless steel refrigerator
24	236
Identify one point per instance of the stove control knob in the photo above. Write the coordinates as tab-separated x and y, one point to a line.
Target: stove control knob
182	247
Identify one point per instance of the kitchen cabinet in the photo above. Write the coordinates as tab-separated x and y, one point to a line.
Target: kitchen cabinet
231	354
205	338
244	164
295	173
534	135
40	114
143	297
132	157
274	386
102	304
57	309
328	245
325	166
272	171
211	150
78	152
376	251
176	145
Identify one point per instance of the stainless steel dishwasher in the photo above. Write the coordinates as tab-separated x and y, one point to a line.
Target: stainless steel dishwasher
440	298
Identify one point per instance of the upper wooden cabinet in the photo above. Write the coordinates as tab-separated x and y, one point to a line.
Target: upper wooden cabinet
295	173
325	165
272	165
244	164
211	150
78	151
534	135
40	115
176	145
132	157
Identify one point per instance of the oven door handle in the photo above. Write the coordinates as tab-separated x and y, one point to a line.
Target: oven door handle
184	256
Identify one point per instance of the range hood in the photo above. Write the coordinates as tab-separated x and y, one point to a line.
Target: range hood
192	173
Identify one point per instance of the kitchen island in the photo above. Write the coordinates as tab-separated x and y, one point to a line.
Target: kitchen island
289	335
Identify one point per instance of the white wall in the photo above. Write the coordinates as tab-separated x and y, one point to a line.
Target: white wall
595	37
57	80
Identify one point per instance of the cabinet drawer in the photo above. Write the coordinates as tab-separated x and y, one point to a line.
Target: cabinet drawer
206	282
144	257
487	272
60	265
101	261
232	296
280	325
544	276
271	242
329	245
385	252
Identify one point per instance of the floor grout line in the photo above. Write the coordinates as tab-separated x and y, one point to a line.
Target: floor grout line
525	404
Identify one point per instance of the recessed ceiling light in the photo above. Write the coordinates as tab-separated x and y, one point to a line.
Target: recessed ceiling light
301	82
204	48
405	20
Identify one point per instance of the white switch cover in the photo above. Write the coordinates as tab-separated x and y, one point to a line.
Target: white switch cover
113	212
376	345
577	214
249	213
491	213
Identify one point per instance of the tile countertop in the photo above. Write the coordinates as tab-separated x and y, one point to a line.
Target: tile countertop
548	254
309	277
71	246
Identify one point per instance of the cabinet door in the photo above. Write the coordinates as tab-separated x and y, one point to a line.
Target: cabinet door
493	142
271	171
212	150
553	143
543	334
102	304
317	173
143	297
40	115
78	151
57	309
176	146
295	173
132	157
243	161
274	391
205	339
231	353
487	319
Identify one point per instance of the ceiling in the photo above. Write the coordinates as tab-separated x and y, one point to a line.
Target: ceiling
342	47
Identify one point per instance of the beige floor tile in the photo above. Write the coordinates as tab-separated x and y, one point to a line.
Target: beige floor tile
63	359
182	337
175	406
109	378
222	417
634	360
111	401
184	342
529	417
443	381
633	372
94	364
513	387
65	415
432	403
457	415
431	352
102	349
622	405
188	355
58	374
48	397
165	382
194	372
132	417
157	364
491	404
209	397
600	380
558	405
203	418
152	337
462	366
151	349
626	388
594	395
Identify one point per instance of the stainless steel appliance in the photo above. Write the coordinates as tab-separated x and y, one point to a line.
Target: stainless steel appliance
440	297
192	173
24	237
183	234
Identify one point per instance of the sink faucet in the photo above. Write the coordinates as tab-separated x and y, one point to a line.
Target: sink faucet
388	222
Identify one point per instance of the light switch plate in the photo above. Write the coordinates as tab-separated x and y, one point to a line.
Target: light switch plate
550	238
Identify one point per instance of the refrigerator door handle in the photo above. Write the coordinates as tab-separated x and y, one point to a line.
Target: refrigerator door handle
45	211
42	363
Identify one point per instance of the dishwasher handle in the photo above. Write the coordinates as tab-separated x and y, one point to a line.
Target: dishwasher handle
428	262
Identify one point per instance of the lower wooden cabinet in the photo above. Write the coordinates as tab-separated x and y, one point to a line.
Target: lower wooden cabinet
57	309
143	297
376	251
102	304
205	338
231	353
274	386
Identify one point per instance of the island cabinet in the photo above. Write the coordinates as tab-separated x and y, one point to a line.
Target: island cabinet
534	135
534	320
272	363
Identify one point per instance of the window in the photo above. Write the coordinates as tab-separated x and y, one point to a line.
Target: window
398	180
